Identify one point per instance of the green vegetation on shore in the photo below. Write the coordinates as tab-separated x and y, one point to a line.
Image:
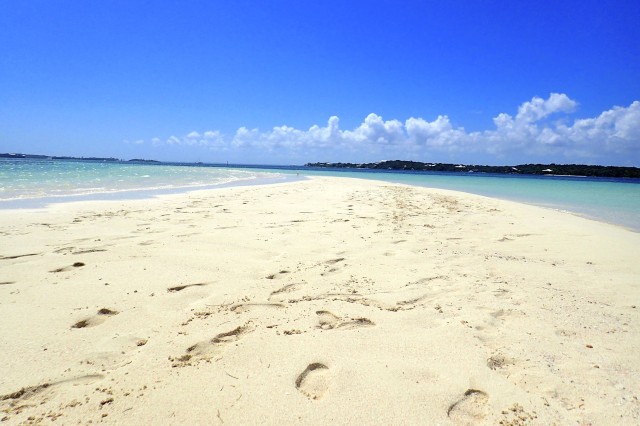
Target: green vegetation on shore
523	169
529	169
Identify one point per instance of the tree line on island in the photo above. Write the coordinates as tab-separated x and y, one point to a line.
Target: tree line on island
528	169
402	165
58	157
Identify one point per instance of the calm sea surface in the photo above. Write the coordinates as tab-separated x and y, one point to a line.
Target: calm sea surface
29	183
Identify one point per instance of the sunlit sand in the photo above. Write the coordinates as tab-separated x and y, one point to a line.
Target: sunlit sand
327	301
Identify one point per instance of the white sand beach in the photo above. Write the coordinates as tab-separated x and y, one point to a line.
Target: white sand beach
326	301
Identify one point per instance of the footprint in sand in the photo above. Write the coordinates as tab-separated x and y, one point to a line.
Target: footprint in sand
247	307
25	393
17	256
113	351
99	318
68	268
335	268
274	276
206	349
329	321
31	391
182	287
313	382
30	397
280	294
90	250
470	409
355	323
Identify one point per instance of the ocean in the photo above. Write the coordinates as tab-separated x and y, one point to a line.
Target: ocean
35	183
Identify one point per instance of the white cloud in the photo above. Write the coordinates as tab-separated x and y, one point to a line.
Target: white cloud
530	133
375	130
209	139
612	132
617	130
173	140
539	108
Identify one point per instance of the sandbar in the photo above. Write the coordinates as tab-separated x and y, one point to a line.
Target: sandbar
324	301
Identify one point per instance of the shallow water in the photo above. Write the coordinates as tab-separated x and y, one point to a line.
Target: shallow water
610	200
23	179
31	183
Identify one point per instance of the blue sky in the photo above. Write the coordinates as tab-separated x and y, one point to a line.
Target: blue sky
290	82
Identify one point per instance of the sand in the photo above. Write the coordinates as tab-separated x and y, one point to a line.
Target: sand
326	301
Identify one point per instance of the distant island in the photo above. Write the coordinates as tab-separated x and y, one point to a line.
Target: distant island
524	169
578	170
54	157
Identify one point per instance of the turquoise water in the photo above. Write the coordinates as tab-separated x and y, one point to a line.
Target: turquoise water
610	200
25	182
32	179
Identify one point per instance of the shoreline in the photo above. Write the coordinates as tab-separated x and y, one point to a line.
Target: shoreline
144	194
325	300
614	201
134	194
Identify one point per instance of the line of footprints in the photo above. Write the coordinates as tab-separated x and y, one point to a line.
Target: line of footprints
314	381
471	408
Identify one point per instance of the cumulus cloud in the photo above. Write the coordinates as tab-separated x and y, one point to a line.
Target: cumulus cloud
613	132
617	129
530	133
539	108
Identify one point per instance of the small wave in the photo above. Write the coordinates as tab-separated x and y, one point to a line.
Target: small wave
88	190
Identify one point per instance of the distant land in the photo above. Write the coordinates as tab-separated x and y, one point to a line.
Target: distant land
525	169
578	170
51	157
54	157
